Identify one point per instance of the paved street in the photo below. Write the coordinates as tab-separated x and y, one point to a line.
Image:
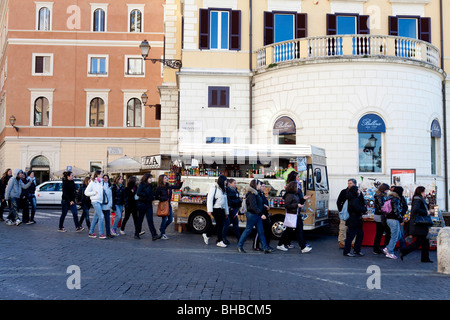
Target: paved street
35	261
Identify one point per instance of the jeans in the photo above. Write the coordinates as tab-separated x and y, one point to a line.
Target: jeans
65	208
107	215
233	219
98	217
32	202
85	215
129	211
253	220
13	209
118	216
166	221
145	210
394	225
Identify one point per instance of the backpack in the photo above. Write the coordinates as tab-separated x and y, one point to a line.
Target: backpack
343	214
387	207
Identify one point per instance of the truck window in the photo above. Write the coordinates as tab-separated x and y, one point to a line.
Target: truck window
320	178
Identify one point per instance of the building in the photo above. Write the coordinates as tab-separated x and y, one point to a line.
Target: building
72	77
364	79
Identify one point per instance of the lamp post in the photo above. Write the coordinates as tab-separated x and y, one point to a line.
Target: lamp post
144	99
171	63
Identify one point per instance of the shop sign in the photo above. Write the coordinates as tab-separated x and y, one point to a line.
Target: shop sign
403	177
371	123
435	129
284	125
151	162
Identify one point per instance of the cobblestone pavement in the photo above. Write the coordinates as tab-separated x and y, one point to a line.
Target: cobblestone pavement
35	261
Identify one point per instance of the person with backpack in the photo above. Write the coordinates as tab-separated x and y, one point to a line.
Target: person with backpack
254	208
234	204
354	223
217	207
393	219
380	198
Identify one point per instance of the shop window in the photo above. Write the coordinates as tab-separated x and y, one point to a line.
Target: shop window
370	129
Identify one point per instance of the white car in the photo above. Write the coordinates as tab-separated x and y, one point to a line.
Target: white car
50	192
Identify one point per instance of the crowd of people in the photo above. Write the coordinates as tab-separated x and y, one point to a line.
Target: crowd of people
223	205
390	209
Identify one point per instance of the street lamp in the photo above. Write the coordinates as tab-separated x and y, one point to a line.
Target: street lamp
12	121
144	99
171	63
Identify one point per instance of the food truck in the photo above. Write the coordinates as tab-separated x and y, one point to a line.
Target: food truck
269	163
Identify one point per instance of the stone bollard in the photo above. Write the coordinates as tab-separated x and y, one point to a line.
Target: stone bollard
443	250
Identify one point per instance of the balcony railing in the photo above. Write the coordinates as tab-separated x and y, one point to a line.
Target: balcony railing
347	46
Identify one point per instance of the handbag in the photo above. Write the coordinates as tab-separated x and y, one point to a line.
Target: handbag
423	221
343	214
290	220
105	198
163	209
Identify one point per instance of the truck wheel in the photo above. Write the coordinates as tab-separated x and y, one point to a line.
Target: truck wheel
199	222
277	226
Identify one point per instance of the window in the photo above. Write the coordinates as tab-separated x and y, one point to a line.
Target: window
134	113
282	26
413	27
218	97
42	64
346	24
134	65
41	112
44	19
97	113
98	65
99	20
285	131
95	165
136	21
220	29
407	27
370	129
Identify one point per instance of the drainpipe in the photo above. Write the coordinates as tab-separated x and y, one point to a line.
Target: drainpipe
444	107
250	62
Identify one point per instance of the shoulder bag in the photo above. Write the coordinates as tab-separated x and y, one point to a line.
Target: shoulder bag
423	221
163	209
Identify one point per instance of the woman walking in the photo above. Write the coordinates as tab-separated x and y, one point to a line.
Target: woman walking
217	207
354	223
107	204
145	206
95	191
380	198
164	193
234	204
254	217
393	220
418	208
85	202
293	205
130	203
118	195
69	192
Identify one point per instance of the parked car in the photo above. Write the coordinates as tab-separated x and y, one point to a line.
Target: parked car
50	192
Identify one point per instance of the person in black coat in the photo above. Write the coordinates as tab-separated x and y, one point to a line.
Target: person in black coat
380	219
85	202
234	204
164	193
68	201
267	223
354	223
145	207
418	208
130	203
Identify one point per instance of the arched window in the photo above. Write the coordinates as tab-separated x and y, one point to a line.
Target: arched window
99	20
97	113
136	21
41	112
44	19
286	130
134	113
40	161
370	129
435	135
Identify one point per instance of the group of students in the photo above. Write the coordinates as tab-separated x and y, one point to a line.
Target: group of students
134	200
224	205
388	218
17	191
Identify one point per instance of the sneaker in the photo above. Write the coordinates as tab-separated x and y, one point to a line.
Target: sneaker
221	244
122	232
158	236
31	222
358	253
391	256
385	251
92	235
9	222
349	254
240	250
18	222
268	250
114	232
62	230
102	236
282	248
164	237
306	249
141	233
205	238
79	229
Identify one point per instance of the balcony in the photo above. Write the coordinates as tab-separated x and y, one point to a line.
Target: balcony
347	46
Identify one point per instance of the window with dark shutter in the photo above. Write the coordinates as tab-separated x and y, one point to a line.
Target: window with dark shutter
235	30
331	24
204	29
268	28
301	25
393	26
425	29
363	24
39	65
